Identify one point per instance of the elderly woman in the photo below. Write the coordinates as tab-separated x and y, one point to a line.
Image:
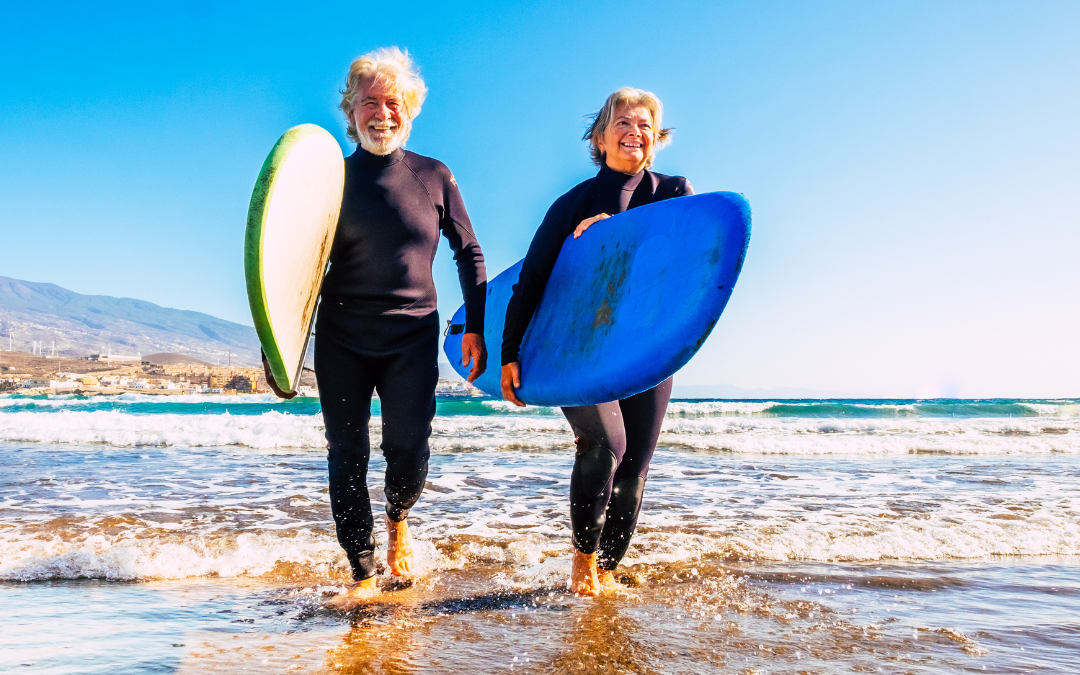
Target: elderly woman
615	440
378	329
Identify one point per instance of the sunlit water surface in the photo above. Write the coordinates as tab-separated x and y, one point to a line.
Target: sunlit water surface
777	537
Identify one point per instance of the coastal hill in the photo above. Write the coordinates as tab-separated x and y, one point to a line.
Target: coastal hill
80	325
167	359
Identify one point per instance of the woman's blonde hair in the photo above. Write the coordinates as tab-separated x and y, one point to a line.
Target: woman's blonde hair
603	118
391	65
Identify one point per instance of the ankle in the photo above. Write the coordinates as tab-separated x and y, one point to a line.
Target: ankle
588	559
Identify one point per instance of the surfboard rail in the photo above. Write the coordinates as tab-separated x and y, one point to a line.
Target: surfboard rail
292	218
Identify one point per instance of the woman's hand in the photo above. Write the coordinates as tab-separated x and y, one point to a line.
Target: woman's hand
511	380
473	349
273	383
587	223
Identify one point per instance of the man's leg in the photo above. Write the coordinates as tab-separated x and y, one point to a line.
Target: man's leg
346	381
407	397
643	416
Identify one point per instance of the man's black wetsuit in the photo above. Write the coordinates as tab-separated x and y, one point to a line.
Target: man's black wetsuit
618	437
378	330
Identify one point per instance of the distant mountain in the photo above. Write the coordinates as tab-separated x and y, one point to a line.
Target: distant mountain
82	325
167	359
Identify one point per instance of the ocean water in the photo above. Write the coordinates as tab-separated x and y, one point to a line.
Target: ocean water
194	534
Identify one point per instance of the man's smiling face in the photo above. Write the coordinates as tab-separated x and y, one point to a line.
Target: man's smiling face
379	114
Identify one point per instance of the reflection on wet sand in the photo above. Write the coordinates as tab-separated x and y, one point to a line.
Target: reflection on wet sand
378	646
706	616
602	640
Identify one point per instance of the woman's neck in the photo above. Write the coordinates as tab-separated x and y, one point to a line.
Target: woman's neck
628	169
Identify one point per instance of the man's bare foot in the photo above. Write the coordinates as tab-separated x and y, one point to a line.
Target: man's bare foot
583	579
608	581
358	594
398	548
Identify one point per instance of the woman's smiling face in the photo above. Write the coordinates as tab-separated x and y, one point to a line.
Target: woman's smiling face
627	143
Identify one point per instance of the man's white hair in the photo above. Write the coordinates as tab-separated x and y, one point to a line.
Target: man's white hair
393	66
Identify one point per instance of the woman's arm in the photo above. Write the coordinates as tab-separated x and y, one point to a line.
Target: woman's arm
535	270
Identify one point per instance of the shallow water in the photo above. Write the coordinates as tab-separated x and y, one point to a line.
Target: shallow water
1011	616
777	537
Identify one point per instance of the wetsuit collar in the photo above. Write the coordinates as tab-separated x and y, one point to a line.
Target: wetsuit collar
608	177
373	161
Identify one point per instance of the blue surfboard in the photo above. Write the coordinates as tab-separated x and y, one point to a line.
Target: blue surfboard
627	304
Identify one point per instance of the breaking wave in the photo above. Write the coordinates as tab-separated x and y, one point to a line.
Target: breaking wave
273	429
528	556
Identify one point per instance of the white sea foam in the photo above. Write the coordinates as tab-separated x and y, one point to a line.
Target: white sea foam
509	408
237	514
161	557
27	401
797	436
268	430
533	560
176	557
875	436
691	408
1054	409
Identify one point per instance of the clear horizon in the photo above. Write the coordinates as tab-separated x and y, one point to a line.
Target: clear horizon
911	167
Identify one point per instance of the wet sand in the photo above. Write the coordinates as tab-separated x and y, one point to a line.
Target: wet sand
708	617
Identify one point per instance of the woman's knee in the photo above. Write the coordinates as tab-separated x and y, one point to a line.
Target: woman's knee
596	465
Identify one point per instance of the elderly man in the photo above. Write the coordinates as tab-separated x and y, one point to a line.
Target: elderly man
378	329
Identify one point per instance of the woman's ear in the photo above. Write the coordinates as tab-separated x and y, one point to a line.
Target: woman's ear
598	141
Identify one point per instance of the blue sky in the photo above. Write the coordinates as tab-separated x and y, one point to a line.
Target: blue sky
912	167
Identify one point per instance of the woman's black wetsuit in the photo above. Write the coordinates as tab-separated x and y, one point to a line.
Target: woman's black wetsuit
618	437
378	330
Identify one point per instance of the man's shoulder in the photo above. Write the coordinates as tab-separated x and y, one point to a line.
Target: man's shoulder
428	168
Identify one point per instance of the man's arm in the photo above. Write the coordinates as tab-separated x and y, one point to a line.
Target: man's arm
472	275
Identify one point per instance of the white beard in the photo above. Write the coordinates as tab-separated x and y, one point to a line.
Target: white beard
385	146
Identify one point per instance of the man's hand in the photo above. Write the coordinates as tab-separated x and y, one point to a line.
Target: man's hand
273	383
511	380
587	223
473	349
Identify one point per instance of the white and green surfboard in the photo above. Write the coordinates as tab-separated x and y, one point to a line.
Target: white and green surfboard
290	228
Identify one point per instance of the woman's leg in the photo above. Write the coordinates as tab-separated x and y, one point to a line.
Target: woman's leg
601	449
642	416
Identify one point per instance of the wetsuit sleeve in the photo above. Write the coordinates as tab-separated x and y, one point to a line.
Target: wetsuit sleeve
684	188
472	274
535	269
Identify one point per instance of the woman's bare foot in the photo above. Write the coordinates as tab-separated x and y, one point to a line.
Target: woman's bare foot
583	579
358	594
398	548
610	584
